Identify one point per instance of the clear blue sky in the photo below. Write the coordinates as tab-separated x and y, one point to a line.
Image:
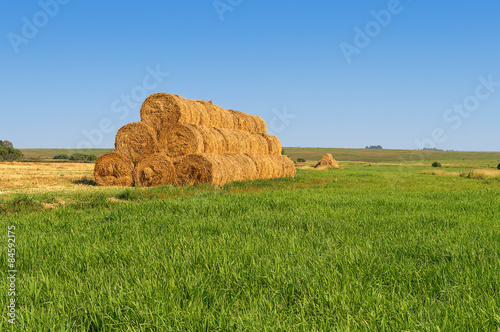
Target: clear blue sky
412	79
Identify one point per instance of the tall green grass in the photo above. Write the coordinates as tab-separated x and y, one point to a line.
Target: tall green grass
347	250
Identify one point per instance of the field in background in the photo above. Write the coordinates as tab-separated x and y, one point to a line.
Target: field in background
48	154
411	157
312	155
374	246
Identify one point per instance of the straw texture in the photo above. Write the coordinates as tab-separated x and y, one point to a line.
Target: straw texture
114	169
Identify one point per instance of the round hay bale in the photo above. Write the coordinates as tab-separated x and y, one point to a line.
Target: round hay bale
287	165
215	169
273	143
162	109
265	166
213	140
136	140
327	160
154	170
202	168
180	140
236	141
258	144
240	167
114	169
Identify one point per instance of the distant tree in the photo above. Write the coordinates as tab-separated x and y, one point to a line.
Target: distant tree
374	147
82	157
91	157
432	149
301	160
61	156
283	151
6	144
8	153
436	164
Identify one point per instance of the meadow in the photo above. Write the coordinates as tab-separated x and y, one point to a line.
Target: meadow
383	244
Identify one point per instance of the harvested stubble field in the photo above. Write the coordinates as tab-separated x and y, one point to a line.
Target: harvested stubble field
361	249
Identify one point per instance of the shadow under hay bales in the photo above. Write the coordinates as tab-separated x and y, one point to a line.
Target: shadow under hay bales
85	181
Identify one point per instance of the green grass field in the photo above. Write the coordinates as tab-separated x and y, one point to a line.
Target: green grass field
359	249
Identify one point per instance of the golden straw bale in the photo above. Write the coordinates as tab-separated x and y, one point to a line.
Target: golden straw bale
240	167
266	167
286	167
215	169
236	140
213	140
270	166
114	169
258	143
327	160
161	109
202	168
155	170
180	140
204	118
274	144
136	140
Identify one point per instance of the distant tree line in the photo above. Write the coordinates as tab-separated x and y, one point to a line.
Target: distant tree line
432	149
374	147
77	157
8	153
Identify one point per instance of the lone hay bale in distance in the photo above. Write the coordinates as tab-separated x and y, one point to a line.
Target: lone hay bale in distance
154	170
161	110
136	140
328	161
114	169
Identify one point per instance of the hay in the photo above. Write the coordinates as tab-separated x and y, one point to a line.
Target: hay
136	140
114	169
327	160
202	168
236	140
185	141
221	169
213	140
274	144
161	110
180	140
154	170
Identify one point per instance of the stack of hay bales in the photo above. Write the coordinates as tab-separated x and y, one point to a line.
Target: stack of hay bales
181	141
327	161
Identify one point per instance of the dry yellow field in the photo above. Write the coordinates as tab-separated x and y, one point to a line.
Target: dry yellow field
40	177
